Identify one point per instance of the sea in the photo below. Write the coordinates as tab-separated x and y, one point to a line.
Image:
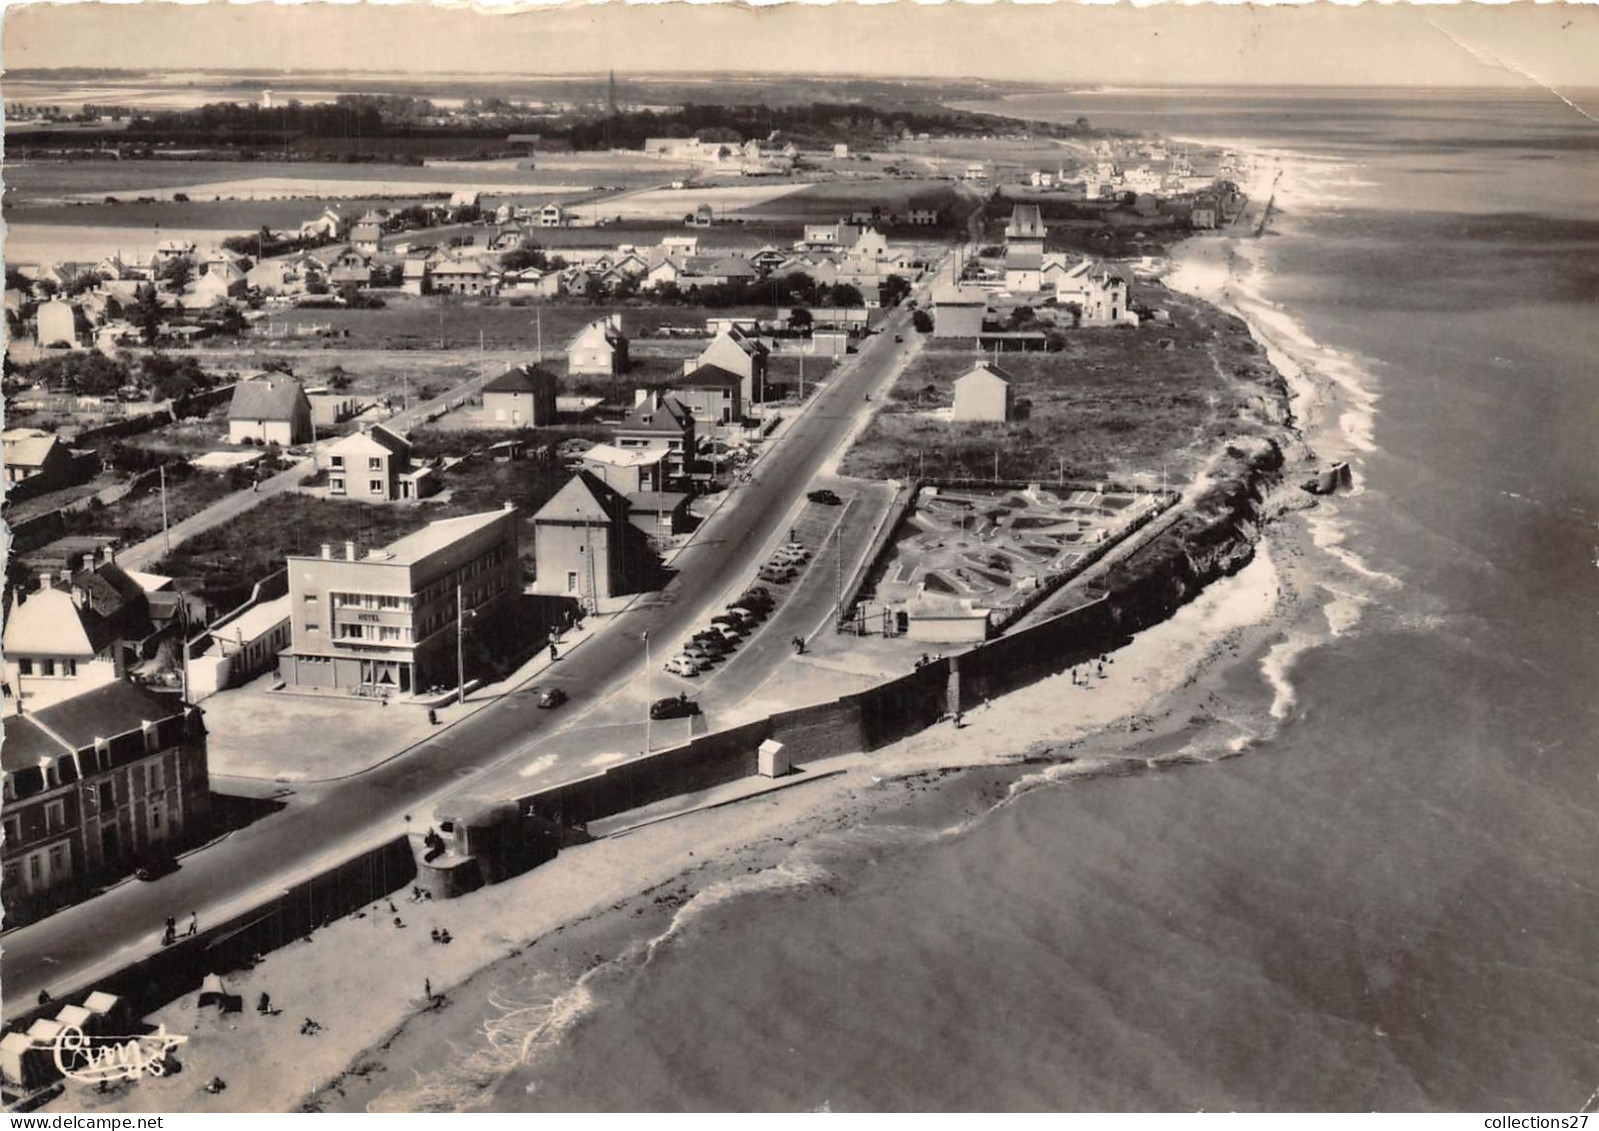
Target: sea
1383	896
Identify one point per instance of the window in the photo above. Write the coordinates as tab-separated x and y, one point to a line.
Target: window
388	632
69	667
154	777
310	598
312	626
108	795
336	485
55	816
25	667
47	667
571	581
336	462
377	487
58	859
13	829
36	867
374	463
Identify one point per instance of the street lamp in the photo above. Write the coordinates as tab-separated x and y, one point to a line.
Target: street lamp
647	724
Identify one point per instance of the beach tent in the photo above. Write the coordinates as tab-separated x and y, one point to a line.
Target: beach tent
213	992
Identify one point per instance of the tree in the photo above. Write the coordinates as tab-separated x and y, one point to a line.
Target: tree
176	273
922	321
147	313
17	281
894	290
844	294
799	320
521	258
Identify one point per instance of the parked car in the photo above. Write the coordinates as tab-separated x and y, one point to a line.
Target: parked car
155	864
550	697
728	620
791	555
684	666
749	617
824	496
729	633
674	707
777	574
699	658
713	642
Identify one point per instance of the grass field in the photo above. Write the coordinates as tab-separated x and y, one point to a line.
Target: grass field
225	562
409	322
1115	404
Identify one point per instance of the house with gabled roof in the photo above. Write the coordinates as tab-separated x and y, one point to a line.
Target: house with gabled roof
599	349
93	784
665	422
713	395
76	633
375	466
983	395
32	453
737	352
584	545
270	409
523	397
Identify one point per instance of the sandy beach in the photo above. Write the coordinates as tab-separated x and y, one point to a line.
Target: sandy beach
525	954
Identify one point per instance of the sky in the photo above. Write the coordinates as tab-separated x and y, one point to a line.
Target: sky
1551	44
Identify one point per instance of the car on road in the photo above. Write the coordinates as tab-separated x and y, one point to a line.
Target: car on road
685	666
824	496
549	697
155	864
899	337
674	707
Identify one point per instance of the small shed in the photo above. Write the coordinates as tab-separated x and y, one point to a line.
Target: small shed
773	759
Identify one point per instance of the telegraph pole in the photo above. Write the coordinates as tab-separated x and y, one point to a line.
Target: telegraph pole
460	648
166	533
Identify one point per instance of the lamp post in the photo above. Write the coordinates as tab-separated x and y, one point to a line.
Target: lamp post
648	725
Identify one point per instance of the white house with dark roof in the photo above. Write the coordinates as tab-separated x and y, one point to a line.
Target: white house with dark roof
523	397
375	466
584	544
270	409
737	352
599	349
983	395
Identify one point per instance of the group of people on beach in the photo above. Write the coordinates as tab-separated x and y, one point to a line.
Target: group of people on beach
1086	678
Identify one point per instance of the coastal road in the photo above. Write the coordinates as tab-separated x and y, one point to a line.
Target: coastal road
69	950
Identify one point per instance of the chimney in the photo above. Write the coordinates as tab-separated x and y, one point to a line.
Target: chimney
508	505
47	580
108	553
646	398
327	551
349	551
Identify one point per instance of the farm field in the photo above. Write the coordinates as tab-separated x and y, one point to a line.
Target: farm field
409	322
1114	405
666	203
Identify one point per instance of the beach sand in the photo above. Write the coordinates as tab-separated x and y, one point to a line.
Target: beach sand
525	953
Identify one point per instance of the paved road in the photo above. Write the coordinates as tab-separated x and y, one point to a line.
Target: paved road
70	949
